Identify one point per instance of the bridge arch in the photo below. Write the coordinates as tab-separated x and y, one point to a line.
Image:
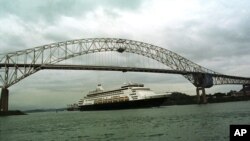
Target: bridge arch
57	52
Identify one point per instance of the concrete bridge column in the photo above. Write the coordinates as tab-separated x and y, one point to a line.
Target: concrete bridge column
203	94
4	102
244	89
198	95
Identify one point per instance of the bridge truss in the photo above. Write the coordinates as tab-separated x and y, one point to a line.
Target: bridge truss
15	66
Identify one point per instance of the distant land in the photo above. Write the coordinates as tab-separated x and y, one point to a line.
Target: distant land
45	110
177	98
11	113
18	112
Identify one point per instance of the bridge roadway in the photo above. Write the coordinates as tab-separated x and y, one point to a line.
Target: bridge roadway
114	68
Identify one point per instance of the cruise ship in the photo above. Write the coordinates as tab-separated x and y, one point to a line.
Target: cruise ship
129	96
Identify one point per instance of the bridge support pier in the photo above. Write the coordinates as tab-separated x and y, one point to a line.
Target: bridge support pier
4	101
245	88
203	94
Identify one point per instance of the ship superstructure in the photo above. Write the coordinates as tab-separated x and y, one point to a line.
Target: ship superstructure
128	96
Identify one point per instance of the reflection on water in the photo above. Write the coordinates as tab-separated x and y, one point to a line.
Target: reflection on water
182	123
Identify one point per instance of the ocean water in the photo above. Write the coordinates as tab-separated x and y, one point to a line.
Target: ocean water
208	122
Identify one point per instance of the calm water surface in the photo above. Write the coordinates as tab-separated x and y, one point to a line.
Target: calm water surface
181	123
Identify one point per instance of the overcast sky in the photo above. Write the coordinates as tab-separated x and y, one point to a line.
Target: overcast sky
214	34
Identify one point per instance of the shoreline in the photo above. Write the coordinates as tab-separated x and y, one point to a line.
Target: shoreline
11	113
176	99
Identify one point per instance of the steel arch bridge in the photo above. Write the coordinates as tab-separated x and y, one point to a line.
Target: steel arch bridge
15	66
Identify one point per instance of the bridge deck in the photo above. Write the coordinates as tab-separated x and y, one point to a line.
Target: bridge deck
114	68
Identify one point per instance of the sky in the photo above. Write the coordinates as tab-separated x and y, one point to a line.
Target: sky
214	34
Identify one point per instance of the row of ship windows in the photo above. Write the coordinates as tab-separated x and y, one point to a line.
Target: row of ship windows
112	98
109	94
102	96
135	97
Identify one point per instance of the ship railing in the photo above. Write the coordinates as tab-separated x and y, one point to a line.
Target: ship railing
114	99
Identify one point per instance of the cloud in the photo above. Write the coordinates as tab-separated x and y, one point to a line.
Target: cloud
214	34
49	11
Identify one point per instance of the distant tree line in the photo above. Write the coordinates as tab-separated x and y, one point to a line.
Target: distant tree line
178	98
